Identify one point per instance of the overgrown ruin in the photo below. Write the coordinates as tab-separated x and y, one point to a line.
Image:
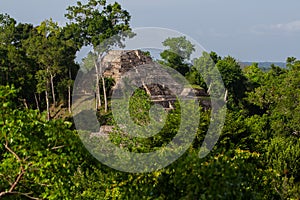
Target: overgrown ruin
119	63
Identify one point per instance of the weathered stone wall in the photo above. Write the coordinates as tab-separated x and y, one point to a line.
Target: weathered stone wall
117	62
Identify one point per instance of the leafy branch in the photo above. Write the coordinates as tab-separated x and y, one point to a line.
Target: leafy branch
19	176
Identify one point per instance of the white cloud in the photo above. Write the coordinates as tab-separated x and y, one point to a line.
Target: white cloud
293	26
280	28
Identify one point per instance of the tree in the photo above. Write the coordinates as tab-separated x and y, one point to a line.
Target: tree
208	74
290	61
178	54
233	79
180	46
275	125
254	74
15	67
214	56
101	26
38	157
54	55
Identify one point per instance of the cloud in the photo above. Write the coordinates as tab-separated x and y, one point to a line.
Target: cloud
293	26
280	28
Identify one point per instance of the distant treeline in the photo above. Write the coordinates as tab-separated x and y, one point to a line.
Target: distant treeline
265	65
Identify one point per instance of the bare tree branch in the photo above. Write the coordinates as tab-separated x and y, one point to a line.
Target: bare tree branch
19	177
21	167
19	193
58	147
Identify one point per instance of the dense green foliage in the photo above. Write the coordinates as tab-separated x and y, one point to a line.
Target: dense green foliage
178	54
256	157
37	156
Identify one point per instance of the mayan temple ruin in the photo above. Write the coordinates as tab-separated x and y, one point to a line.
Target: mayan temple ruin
134	63
117	62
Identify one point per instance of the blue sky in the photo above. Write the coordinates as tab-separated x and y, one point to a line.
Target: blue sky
247	30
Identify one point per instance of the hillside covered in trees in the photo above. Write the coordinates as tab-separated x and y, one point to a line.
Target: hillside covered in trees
42	156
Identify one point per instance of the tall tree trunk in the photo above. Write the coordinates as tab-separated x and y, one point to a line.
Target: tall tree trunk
69	99
47	102
100	57
25	103
209	88
104	93
52	89
98	98
226	96
36	101
69	91
47	95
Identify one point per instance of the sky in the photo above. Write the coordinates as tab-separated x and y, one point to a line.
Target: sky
247	30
